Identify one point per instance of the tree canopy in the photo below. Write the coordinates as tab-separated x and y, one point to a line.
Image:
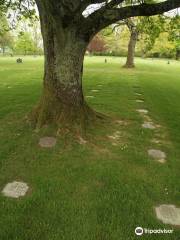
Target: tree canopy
92	15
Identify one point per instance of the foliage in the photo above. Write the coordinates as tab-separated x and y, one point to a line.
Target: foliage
158	36
24	44
174	34
6	38
97	45
150	29
116	40
163	47
30	28
4	27
168	44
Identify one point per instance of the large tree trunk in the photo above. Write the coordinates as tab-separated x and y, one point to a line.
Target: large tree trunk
62	102
131	50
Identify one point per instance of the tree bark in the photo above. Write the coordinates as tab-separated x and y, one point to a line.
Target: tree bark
177	54
62	101
131	50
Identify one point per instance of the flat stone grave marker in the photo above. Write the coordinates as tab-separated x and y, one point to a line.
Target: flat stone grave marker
15	189
138	94
147	118
157	155
161	160
47	142
119	121
148	125
144	111
112	137
89	96
154	140
82	141
115	135
94	90
168	214
139	101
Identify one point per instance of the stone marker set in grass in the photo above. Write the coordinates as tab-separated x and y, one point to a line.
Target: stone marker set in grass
120	122
157	155
143	111
15	189
81	141
138	94
89	96
147	118
156	141
47	142
168	214
148	125
115	137
139	101
94	90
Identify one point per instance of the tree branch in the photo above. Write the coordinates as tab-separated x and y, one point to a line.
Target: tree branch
106	16
114	3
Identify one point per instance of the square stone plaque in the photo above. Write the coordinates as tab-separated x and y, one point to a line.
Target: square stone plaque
15	189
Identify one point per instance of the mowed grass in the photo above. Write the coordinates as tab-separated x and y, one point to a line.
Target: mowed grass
96	191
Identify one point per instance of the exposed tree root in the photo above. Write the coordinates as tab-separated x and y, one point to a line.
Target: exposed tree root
129	66
67	119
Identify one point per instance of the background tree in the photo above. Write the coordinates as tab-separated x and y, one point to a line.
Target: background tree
97	45
6	39
115	38
163	47
24	44
134	33
174	34
168	42
147	28
28	37
37	37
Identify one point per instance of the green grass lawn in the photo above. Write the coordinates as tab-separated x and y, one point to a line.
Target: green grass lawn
97	191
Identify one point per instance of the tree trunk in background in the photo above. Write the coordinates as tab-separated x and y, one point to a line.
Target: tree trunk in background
131	50
177	54
62	100
3	50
